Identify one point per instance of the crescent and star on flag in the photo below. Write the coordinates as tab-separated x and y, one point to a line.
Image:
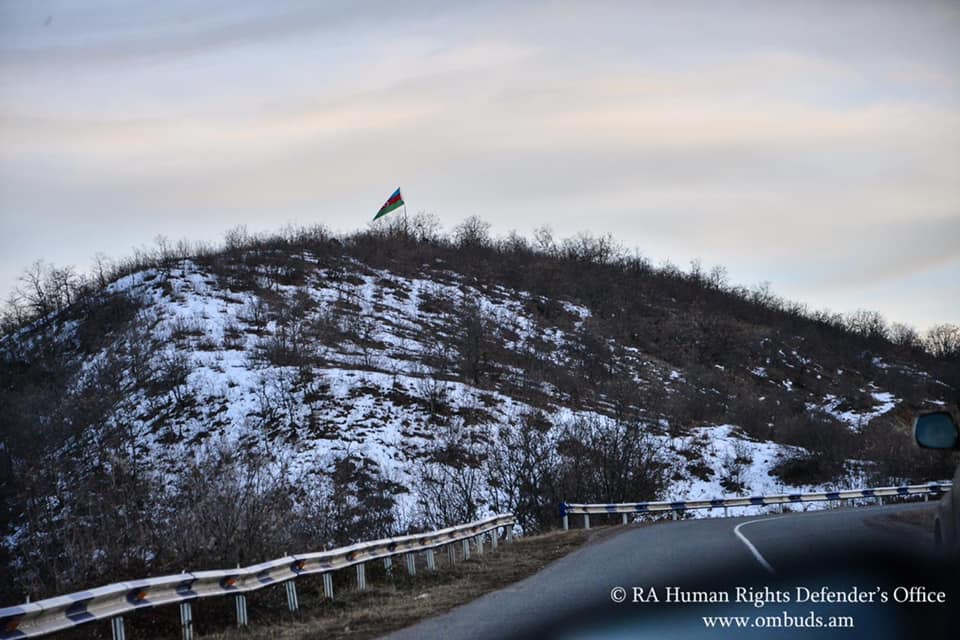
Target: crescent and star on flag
395	201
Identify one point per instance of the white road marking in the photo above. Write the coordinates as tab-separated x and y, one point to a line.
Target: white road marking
756	554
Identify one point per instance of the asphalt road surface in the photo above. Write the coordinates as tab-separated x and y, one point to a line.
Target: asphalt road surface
747	548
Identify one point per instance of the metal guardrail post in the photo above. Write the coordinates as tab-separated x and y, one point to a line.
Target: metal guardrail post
292	602
186	621
328	585
388	565
116	628
566	523
493	540
624	518
466	549
411	564
242	619
361	577
478	542
430	563
586	521
509	533
452	553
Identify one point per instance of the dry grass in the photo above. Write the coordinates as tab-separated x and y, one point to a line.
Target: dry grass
397	602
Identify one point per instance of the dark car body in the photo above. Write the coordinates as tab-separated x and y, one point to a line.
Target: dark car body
939	430
946	527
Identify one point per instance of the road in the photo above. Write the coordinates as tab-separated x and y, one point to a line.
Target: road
676	553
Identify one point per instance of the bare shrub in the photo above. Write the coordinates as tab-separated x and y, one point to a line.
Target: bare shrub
351	501
474	341
733	477
287	346
434	392
752	415
521	468
227	508
609	462
449	485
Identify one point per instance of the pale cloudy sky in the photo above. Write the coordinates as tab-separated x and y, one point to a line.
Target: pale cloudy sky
812	144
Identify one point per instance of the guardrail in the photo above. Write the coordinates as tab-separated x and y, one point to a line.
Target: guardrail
111	602
567	509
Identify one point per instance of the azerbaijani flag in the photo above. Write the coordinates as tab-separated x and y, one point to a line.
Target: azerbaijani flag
393	202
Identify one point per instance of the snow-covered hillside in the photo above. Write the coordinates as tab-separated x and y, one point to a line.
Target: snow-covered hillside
284	397
377	391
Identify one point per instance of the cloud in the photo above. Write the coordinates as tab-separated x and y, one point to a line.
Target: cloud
106	32
821	155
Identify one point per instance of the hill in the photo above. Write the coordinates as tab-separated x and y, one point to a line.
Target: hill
198	406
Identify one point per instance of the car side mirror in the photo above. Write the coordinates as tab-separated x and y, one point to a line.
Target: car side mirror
936	430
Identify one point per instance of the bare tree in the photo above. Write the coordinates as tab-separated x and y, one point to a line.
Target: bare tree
903	335
426	227
867	324
472	233
943	341
475	340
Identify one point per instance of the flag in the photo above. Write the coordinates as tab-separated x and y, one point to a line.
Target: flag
393	202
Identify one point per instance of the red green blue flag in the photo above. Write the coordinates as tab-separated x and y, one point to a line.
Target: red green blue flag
393	202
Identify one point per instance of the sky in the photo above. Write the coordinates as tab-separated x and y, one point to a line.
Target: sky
813	145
